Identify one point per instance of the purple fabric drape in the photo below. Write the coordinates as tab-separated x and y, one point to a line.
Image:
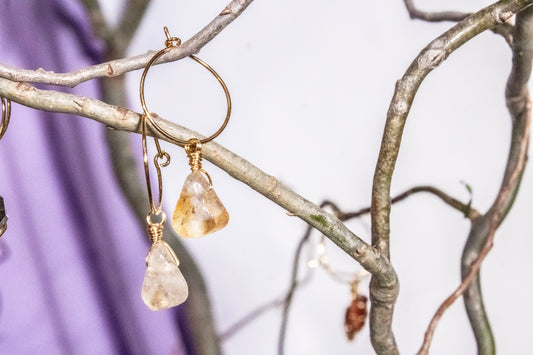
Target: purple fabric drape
71	282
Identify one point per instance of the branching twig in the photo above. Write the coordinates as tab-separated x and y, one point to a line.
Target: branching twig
415	13
503	29
121	66
466	209
242	170
294	284
383	296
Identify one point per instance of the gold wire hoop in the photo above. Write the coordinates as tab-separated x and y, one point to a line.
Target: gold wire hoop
6	115
173	42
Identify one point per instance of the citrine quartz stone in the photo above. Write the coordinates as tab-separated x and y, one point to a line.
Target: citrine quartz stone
164	286
198	211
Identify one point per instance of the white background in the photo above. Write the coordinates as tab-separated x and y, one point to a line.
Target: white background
311	82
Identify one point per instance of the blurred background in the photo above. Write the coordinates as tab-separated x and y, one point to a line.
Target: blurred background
310	83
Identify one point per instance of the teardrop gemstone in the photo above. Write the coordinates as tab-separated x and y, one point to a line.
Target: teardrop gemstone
198	211
164	285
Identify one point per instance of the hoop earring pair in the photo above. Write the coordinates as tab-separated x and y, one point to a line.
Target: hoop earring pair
198	211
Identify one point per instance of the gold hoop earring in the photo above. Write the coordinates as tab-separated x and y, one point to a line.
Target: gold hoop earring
4	122
198	211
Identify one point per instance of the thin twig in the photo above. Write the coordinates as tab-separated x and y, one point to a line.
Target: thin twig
121	66
292	289
294	285
415	13
504	29
468	211
456	294
250	317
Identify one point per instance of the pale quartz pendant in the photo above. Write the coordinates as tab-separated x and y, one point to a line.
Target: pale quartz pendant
164	286
198	211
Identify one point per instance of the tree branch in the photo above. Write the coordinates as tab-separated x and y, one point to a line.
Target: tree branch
132	15
457	293
468	211
287	302
383	296
505	29
242	170
99	24
480	239
415	13
518	103
120	66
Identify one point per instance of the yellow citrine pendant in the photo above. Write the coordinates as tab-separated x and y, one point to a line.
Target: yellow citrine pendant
198	211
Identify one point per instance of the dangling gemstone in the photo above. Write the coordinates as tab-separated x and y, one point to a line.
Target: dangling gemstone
199	211
164	285
355	316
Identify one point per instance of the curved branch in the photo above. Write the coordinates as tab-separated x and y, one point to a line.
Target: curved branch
118	67
504	29
415	13
518	102
457	293
468	211
383	297
480	239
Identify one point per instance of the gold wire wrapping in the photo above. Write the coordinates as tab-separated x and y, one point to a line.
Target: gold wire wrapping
194	152
155	231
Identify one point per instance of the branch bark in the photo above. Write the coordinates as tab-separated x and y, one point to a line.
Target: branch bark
467	210
121	66
518	102
383	296
242	170
481	236
505	29
440	16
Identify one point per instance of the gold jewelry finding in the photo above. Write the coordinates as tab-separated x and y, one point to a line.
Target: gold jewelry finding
6	114
198	210
4	122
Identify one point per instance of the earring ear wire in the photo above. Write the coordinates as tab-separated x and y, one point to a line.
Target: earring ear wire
198	211
4	122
